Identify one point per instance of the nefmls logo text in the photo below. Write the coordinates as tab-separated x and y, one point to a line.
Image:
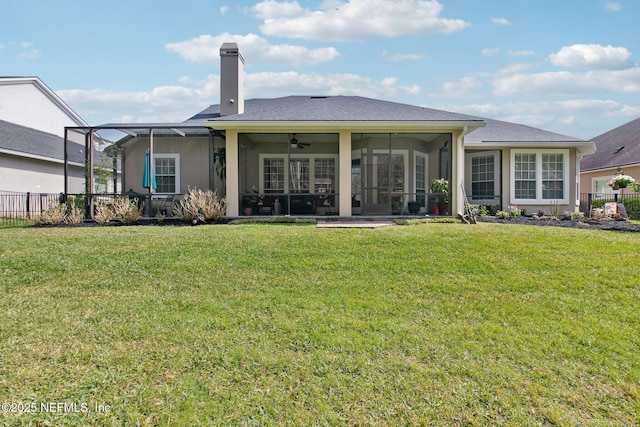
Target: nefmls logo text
64	407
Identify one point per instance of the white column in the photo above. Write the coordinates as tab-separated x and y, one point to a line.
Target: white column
457	173
233	189
345	173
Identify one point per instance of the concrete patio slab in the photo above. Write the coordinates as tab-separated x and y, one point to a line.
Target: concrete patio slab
353	224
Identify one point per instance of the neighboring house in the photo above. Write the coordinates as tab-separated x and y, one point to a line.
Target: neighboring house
617	148
349	155
32	130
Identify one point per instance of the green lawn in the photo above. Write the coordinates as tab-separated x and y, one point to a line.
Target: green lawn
435	324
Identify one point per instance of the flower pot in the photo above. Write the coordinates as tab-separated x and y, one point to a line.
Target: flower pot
433	208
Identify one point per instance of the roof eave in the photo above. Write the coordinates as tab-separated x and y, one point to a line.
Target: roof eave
369	126
37	157
584	147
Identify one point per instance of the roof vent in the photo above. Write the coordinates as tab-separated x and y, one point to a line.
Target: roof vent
318	97
619	149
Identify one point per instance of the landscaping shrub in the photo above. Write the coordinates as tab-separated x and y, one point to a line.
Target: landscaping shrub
74	214
200	205
125	210
55	214
58	213
103	212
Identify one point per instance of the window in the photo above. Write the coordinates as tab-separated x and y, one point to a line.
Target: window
298	174
552	176
167	170
420	166
482	176
539	176
273	175
396	162
525	176
602	187
324	175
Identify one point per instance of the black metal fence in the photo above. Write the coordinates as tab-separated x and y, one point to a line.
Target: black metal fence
24	208
21	208
590	201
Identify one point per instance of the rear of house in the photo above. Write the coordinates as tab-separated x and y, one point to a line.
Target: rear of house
348	155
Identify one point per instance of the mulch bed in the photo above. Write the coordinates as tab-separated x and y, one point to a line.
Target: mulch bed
584	224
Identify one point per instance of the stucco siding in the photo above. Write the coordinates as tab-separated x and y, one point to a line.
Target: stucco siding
193	158
21	174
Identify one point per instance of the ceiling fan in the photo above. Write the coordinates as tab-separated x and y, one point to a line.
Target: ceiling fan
297	144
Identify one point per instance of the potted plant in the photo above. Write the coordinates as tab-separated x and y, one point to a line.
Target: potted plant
620	181
440	189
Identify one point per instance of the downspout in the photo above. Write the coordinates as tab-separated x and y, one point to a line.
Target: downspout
151	172
66	163
211	160
460	170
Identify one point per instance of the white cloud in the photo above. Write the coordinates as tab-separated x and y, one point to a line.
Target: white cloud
490	51
613	6
272	9
564	82
463	88
255	49
224	9
161	104
24	49
521	52
177	103
30	54
501	21
268	85
355	19
569	117
592	55
398	57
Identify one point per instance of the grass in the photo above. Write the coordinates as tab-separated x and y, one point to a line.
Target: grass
438	324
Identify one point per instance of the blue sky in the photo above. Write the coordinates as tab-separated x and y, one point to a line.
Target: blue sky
565	66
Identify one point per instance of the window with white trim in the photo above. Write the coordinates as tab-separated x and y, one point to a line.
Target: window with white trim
525	176
273	175
324	175
482	176
167	170
539	176
421	172
299	174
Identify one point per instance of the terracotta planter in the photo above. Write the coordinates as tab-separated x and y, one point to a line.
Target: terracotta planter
433	208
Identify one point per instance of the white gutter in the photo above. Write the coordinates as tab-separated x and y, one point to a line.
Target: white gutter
37	157
584	147
354	126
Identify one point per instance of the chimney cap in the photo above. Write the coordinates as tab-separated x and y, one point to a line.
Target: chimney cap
229	49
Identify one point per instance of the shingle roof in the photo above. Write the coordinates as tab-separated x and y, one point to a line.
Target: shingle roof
31	141
330	109
617	147
499	131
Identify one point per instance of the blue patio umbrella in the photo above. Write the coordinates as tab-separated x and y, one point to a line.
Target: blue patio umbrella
148	175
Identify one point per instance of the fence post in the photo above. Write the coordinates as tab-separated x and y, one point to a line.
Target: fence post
28	205
589	203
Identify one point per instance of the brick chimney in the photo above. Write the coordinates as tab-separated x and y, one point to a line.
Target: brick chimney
231	80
